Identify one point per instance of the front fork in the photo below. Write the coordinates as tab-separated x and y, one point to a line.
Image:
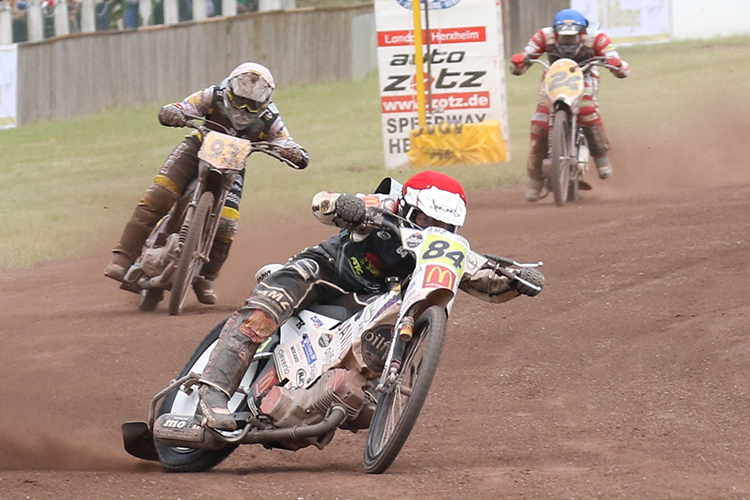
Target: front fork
402	334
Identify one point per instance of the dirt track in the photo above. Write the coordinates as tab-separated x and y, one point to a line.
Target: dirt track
626	379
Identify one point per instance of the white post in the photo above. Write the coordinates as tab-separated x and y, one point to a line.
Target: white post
199	10
145	11
35	21
228	8
171	12
6	23
88	16
62	23
266	5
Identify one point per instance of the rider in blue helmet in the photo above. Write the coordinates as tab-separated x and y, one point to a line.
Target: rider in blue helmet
569	37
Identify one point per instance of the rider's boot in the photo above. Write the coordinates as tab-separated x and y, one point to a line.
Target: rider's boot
155	203
118	266
204	286
228	363
537	152
534	189
603	166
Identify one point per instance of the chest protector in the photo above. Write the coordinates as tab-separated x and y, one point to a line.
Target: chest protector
363	266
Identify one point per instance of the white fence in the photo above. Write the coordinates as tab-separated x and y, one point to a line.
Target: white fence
81	74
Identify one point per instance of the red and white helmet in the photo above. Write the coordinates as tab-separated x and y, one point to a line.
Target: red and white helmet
438	196
247	92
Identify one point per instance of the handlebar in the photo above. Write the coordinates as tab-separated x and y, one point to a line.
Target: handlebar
264	147
376	217
500	265
584	65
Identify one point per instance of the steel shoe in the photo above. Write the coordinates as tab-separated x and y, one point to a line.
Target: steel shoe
603	167
535	187
205	290
118	266
213	406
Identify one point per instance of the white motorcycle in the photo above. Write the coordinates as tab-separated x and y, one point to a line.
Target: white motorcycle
328	367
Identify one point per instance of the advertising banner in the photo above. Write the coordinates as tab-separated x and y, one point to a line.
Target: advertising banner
463	68
628	21
8	83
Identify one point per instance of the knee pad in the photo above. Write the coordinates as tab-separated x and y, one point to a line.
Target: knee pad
256	325
228	224
597	140
160	197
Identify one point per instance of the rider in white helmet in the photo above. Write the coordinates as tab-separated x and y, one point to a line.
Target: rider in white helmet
347	268
242	105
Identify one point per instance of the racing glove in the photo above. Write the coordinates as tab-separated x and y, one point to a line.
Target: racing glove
172	116
533	276
349	211
294	154
518	63
620	68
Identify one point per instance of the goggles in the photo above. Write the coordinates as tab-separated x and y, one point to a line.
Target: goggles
245	103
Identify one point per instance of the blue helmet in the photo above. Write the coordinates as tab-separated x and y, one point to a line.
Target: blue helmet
570	16
569	26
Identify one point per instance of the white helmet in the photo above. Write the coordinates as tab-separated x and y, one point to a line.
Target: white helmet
247	92
438	196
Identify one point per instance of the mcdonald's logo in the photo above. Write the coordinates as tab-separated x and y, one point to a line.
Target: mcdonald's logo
438	277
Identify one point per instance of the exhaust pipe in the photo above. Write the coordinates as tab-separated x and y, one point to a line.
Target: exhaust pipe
185	431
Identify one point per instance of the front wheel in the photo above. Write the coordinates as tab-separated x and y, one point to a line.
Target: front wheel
190	261
560	157
399	407
174	459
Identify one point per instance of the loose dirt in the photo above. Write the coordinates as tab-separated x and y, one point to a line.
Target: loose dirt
627	378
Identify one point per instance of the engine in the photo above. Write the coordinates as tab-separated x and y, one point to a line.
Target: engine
289	407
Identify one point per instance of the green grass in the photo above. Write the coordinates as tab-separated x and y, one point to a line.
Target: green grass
66	184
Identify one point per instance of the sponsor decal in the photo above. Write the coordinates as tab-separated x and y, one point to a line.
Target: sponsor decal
316	321
293	352
301	377
325	339
264	382
375	346
405	38
283	363
414	240
436	276
371	200
309	350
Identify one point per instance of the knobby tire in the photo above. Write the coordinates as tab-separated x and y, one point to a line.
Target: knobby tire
397	412
560	157
189	262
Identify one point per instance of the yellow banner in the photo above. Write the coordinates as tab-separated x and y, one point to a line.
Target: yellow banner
457	144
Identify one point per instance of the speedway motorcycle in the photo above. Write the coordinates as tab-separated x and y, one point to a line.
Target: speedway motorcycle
568	155
181	241
329	367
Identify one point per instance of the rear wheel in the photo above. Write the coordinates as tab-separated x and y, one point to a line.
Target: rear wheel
175	459
190	260
398	408
560	157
